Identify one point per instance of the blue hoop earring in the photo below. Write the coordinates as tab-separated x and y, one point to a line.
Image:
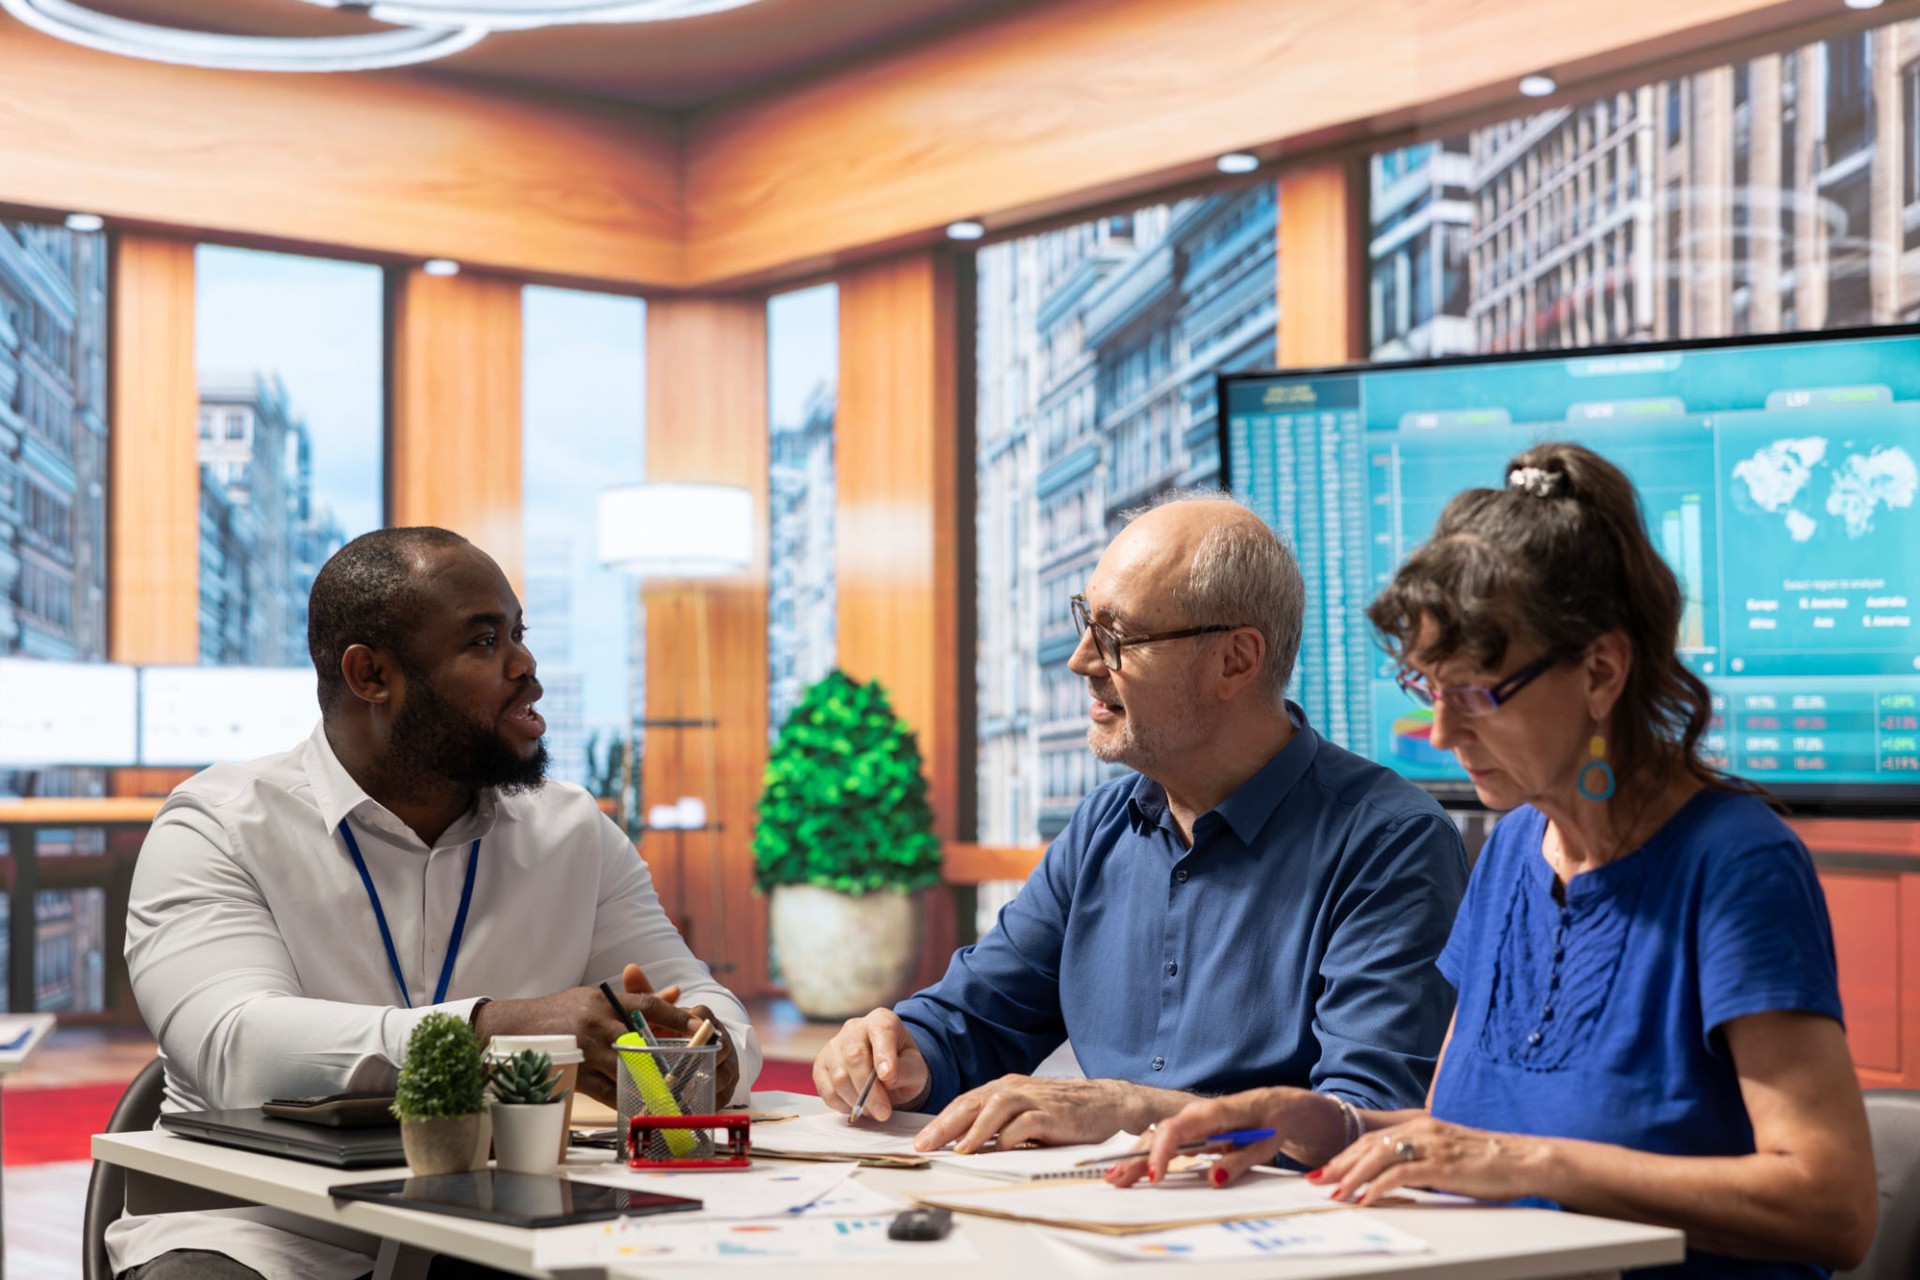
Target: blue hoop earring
1597	749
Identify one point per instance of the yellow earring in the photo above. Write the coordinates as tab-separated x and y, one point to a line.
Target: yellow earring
1597	751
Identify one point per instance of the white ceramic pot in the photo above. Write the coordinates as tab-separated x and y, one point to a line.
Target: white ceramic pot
526	1135
844	954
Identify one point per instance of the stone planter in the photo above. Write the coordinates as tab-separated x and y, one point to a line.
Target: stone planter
445	1144
527	1135
844	954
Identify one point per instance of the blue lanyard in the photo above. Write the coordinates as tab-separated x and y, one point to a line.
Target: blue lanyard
386	934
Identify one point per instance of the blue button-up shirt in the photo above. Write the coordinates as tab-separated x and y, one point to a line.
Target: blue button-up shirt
1294	943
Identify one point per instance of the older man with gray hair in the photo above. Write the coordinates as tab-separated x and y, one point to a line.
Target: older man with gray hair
1252	905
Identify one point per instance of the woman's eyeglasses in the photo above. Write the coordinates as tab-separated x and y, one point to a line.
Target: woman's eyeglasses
1474	699
1108	645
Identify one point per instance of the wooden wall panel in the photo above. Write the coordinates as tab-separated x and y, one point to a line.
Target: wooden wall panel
153	472
453	409
707	640
900	523
1059	105
387	164
1866	910
1319	265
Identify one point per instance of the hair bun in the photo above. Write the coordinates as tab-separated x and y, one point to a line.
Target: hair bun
1536	481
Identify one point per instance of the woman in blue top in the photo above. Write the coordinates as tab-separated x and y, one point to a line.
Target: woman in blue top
1648	1020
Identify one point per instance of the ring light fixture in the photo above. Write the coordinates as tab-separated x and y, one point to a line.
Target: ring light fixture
423	30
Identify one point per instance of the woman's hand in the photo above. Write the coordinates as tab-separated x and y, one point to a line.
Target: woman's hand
1439	1156
1285	1111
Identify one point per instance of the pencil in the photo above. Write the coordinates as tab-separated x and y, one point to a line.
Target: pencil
860	1103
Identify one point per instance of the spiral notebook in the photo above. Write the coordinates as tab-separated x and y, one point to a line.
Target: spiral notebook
1042	1164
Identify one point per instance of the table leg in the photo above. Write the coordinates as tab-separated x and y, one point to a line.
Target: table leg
397	1261
3	1216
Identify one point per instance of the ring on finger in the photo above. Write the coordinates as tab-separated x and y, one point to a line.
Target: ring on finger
1404	1150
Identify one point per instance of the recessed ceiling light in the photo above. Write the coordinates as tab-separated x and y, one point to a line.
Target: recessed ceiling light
85	222
1864	4
440	267
1538	85
1238	162
966	229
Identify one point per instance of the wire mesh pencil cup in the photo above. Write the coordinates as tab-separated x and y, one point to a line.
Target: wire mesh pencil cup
666	1079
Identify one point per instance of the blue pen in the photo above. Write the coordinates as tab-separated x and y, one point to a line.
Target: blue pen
1229	1141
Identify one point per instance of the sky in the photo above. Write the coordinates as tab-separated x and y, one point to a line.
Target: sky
317	323
803	350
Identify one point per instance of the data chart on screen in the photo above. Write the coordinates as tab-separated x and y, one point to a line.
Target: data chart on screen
1778	479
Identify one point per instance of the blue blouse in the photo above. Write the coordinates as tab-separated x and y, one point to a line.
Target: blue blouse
1600	1019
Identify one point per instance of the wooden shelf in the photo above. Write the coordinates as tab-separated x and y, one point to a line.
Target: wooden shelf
60	811
981	863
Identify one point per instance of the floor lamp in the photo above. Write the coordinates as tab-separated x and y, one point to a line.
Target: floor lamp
684	533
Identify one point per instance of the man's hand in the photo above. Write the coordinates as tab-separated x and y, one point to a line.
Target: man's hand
678	1023
1022	1110
876	1044
584	1014
580	1012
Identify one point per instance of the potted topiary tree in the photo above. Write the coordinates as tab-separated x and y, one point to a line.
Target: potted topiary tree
439	1098
844	840
527	1115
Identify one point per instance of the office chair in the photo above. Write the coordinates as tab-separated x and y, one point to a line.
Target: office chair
1894	1117
138	1108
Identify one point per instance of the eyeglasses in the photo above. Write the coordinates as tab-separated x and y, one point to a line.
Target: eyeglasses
1475	699
1108	645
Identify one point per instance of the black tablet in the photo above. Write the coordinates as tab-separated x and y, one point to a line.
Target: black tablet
516	1199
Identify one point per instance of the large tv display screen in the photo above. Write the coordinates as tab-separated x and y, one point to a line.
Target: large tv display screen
1778	477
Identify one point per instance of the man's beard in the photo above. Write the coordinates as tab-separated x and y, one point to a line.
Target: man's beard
1145	747
433	738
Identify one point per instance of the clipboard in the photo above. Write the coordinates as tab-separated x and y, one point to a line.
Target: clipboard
866	1160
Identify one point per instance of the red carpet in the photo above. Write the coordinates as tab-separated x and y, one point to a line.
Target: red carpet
45	1125
794	1077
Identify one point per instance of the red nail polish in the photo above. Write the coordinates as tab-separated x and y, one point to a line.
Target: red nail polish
1314	1176
1218	1177
1336	1193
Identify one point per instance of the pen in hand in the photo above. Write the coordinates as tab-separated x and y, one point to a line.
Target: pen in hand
1230	1141
632	1020
860	1103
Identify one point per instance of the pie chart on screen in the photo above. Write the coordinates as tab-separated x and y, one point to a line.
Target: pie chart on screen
1413	741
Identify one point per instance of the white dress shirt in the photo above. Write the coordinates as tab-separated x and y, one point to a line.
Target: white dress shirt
257	961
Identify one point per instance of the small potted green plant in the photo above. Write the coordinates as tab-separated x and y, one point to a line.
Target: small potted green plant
527	1115
844	841
439	1098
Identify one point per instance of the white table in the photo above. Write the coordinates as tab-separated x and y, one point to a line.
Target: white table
36	1026
1468	1243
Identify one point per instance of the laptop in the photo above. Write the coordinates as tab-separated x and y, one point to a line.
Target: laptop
246	1128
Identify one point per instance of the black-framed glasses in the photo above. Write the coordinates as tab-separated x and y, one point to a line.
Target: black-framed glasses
1475	699
1108	645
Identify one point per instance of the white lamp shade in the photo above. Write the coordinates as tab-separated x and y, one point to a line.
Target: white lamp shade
676	530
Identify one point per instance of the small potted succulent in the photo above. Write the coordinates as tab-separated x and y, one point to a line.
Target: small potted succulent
440	1098
527	1115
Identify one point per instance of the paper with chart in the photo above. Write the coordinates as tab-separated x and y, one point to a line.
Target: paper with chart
764	1191
652	1242
1306	1235
1174	1202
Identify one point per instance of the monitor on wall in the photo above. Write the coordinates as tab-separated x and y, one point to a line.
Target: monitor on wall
1777	475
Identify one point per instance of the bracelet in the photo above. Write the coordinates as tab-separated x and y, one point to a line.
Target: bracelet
1350	1123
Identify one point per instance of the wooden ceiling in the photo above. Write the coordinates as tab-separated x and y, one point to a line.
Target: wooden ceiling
663	65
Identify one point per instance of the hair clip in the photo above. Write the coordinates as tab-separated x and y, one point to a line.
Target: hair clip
1532	480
